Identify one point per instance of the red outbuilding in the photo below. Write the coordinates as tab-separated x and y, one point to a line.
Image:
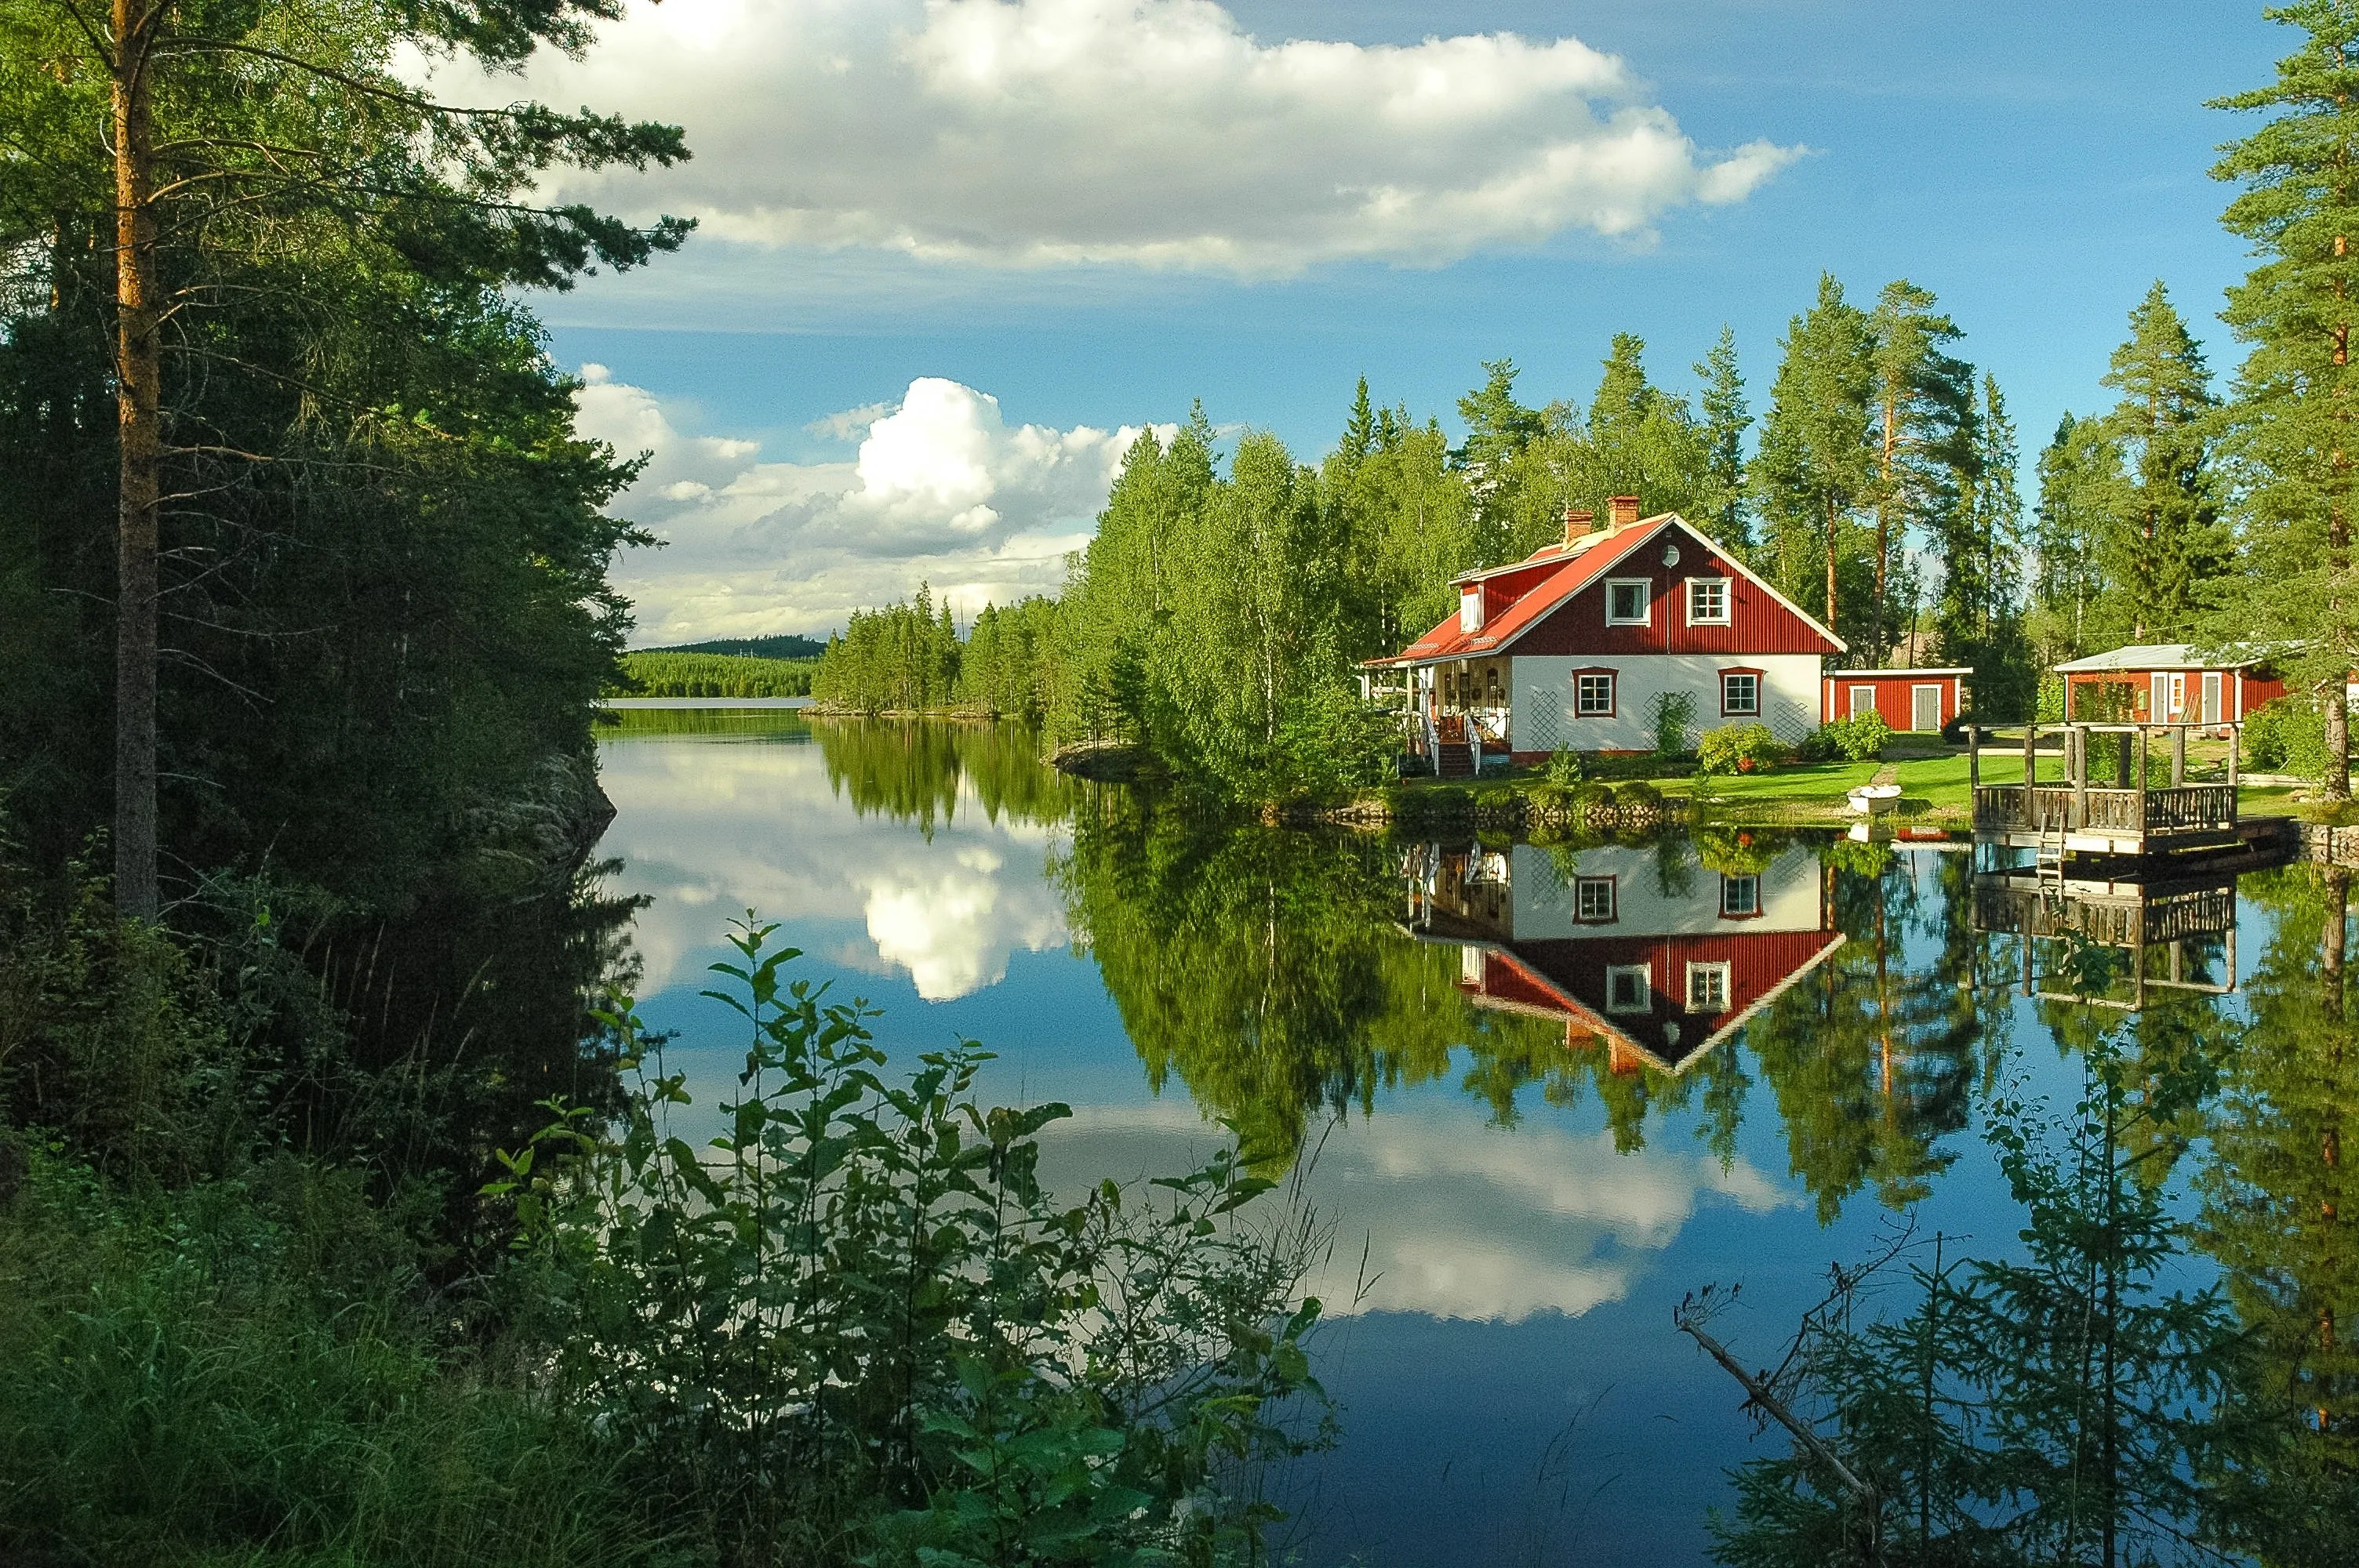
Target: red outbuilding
2165	683
1922	700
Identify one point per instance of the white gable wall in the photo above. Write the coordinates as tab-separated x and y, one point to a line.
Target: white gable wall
1543	719
1542	894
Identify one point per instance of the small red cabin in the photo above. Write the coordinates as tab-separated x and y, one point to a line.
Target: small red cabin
2165	683
1922	700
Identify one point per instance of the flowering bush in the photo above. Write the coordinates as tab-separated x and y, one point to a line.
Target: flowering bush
1739	748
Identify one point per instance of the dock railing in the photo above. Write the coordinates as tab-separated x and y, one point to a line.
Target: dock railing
2133	808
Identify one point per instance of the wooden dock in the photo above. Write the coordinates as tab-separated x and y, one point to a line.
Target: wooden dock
2129	917
2131	814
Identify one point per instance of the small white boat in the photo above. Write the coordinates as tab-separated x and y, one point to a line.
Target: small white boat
1873	800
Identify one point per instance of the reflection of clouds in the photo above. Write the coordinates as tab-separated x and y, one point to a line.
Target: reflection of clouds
714	827
1495	1224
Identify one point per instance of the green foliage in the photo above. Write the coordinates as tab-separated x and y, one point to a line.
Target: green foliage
1640	795
2285	736
2286	429
1565	769
1007	669
782	645
858	1322
712	674
1816	467
901	659
1739	748
1859	739
1673	717
922	774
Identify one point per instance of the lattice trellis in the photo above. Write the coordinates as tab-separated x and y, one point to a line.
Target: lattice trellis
1542	731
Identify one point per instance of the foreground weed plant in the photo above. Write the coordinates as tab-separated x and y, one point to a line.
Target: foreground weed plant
856	1325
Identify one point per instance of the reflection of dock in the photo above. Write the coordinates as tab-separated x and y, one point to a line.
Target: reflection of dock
1660	964
2183	916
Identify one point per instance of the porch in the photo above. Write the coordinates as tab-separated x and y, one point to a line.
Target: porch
1453	714
2130	815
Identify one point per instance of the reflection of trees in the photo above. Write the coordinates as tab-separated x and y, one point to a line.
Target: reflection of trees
2279	1205
1264	967
910	770
1873	1060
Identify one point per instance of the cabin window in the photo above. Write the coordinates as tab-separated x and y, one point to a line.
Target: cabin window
1593	696
1740	897
1707	988
1740	694
1592	901
1469	610
1629	988
1707	602
1626	602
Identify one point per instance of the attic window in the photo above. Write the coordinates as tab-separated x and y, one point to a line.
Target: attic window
1469	610
1626	602
1707	602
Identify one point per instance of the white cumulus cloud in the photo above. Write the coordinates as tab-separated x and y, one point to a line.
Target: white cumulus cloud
942	489
1156	132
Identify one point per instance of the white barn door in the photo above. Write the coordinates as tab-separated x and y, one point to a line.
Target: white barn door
1924	708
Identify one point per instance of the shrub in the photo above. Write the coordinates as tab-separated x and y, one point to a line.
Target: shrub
859	1298
1859	739
2285	736
1640	794
1565	769
1739	748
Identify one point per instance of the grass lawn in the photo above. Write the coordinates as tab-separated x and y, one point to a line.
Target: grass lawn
1938	782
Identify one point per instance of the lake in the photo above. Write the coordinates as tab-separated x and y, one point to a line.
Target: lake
1540	1092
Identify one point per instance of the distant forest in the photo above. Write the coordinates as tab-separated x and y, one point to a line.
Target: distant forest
784	645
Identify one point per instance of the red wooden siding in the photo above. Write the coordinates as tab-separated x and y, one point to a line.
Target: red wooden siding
1758	962
1895	697
1757	622
2089	696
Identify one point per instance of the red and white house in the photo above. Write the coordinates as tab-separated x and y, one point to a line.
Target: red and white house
1920	700
1659	973
2165	683
1571	646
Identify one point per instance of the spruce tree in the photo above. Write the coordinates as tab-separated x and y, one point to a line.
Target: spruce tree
1726	420
1815	468
2161	538
2290	429
2076	468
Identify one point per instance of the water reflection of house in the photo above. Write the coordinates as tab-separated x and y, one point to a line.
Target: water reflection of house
2168	933
1656	957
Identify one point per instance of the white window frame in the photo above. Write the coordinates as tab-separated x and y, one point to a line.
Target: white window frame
1583	887
1643	1002
1728	587
1469	610
1726	711
1645	616
1716	977
1735	880
1581	708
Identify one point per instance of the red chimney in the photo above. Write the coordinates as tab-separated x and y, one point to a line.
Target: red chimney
1621	511
1577	523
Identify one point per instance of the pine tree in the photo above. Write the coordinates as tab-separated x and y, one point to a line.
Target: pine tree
1978	619
2290	429
1924	411
2161	538
234	137
1816	467
1726	420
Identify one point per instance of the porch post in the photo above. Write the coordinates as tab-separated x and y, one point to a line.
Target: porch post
2079	748
2179	756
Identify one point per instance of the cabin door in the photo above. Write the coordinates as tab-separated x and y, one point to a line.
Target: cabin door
2210	696
2158	710
1924	708
1863	701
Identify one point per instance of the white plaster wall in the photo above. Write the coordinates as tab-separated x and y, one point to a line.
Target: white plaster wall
1541	906
1543	718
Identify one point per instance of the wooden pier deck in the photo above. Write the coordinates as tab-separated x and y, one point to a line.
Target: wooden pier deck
2130	815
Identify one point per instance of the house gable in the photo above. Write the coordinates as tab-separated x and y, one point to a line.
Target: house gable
1760	620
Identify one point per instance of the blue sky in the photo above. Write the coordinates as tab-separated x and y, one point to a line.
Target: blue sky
2036	166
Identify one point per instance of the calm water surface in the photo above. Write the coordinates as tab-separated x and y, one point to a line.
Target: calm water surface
1540	1092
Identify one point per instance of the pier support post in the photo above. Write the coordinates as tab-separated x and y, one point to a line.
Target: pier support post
2029	764
1973	760
2179	756
2076	747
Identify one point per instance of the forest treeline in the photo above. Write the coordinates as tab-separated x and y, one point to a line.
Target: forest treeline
1219	613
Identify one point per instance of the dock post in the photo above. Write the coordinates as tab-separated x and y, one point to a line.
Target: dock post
1973	760
2078	747
2030	765
2179	756
2235	736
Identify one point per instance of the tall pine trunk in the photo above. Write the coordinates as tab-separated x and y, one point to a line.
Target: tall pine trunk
139	398
1830	566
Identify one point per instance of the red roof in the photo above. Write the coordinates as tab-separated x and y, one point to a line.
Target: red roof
1576	566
